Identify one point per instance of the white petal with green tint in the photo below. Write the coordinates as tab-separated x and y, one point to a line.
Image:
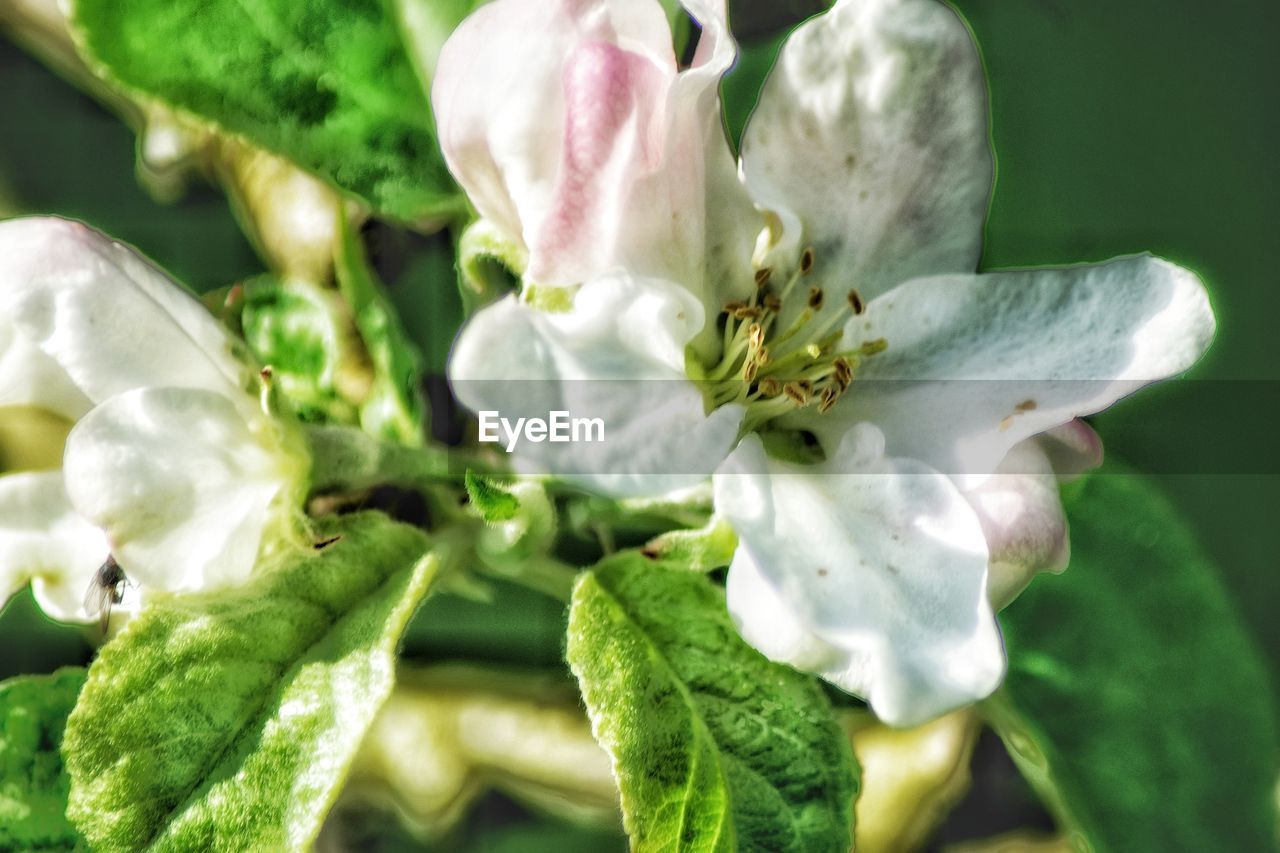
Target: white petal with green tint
44	541
877	568
870	141
616	354
977	363
180	483
28	377
111	320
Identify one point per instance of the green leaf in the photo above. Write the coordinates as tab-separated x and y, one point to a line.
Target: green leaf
33	785
228	723
328	84
715	748
394	408
1135	702
493	502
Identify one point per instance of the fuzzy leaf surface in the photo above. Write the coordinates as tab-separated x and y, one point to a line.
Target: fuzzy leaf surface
715	747
33	783
229	722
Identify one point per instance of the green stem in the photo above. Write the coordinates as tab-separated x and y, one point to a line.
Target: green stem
547	575
347	458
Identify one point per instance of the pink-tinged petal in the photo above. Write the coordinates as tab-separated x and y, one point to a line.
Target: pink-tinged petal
571	130
1021	510
1073	449
499	97
1023	521
612	99
870	141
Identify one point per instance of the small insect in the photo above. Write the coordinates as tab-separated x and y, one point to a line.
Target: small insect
105	591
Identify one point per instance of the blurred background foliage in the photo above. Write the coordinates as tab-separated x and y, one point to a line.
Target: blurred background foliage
1118	128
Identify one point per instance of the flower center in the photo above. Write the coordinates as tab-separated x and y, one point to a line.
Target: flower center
782	350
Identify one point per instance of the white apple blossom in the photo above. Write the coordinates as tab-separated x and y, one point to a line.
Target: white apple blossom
588	148
172	466
884	426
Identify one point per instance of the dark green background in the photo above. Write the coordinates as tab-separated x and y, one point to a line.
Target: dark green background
1118	127
1152	125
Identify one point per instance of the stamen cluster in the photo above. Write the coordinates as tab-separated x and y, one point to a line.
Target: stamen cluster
772	367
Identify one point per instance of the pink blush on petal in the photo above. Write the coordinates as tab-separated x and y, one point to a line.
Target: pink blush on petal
614	103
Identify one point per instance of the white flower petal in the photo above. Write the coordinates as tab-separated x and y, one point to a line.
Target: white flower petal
1023	521
766	620
975	364
112	321
880	560
179	483
871	133
616	355
45	542
700	224
618	326
28	377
